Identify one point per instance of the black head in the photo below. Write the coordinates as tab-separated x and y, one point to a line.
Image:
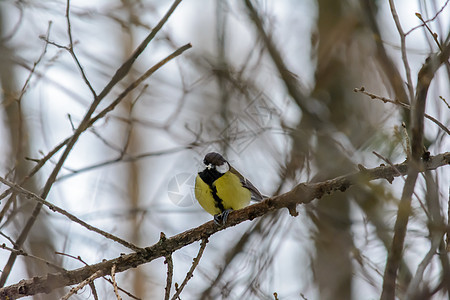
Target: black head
214	159
215	167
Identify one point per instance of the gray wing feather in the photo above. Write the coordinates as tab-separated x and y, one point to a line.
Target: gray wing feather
256	195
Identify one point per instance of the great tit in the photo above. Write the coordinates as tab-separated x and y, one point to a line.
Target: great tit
220	188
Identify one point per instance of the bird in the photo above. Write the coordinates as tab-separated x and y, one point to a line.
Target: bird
220	188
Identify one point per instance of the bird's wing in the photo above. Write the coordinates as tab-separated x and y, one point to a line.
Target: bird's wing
256	195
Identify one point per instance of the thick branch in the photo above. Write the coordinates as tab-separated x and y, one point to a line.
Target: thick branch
302	193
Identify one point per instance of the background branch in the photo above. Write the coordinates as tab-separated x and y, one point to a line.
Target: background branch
302	193
425	76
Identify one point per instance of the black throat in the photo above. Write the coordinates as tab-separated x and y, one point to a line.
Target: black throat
209	176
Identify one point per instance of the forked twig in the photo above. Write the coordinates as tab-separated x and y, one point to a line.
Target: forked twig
89	280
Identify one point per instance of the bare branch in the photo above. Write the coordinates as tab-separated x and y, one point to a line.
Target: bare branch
89	280
25	254
126	66
429	20
191	270
113	278
53	207
425	76
302	193
88	121
384	99
169	263
391	73
403	49
72	52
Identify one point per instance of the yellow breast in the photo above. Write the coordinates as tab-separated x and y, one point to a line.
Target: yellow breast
229	189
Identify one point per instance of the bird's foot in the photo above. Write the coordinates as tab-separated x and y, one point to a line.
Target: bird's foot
221	219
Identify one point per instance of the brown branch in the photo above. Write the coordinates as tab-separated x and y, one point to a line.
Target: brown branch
291	83
191	270
84	124
388	66
302	193
447	238
137	82
126	66
25	254
169	263
113	278
71	217
85	282
404	105
425	76
429	20
104	277
114	80
403	49
72	52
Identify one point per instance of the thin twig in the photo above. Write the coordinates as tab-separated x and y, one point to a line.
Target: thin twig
36	63
104	277
404	105
72	52
403	49
391	73
445	101
447	239
168	287
94	290
191	270
403	177
137	82
415	165
291	83
89	280
126	66
113	278
85	123
415	283
429	20
25	254
433	34
301	194
55	208
22	93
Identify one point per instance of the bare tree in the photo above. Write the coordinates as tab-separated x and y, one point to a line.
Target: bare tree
340	117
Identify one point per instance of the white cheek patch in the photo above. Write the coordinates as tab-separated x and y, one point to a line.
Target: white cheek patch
223	168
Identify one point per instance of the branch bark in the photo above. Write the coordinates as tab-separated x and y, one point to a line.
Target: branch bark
300	194
84	125
425	76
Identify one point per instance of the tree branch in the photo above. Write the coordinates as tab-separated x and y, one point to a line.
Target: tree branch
84	125
425	76
302	193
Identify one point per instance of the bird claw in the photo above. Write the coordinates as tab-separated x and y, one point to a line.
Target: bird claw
221	219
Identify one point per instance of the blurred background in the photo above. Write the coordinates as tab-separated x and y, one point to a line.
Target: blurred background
270	85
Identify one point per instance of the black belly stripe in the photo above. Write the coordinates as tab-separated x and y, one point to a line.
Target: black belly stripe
217	201
209	176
